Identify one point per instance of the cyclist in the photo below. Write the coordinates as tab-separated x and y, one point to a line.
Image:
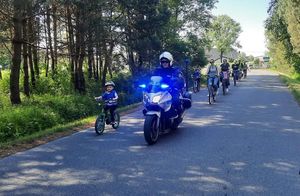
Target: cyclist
196	76
110	98
225	67
213	73
235	69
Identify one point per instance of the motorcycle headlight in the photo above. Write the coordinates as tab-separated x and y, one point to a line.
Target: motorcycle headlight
156	99
164	86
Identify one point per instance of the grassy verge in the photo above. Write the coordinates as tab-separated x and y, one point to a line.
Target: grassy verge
44	136
293	82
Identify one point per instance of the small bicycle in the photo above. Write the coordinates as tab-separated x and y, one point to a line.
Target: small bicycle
104	118
196	85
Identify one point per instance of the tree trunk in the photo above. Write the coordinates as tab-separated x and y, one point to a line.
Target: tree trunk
81	79
25	60
0	74
16	57
34	49
50	41
47	50
103	78
96	70
107	61
71	45
221	56
31	40
80	50
90	57
54	8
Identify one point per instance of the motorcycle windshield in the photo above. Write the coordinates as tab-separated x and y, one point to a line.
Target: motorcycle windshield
155	84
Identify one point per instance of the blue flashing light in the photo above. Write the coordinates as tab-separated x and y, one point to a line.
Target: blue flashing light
142	85
164	86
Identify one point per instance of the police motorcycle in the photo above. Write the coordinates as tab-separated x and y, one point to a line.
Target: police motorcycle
159	116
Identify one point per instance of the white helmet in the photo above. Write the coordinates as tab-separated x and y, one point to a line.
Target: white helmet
110	83
166	55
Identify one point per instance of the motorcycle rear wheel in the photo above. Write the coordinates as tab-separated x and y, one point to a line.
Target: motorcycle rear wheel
176	123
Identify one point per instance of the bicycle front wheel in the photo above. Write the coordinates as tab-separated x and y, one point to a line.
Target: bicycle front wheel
100	124
210	94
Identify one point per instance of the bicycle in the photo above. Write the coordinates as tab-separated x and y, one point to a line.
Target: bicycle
211	91
225	81
104	118
196	85
235	76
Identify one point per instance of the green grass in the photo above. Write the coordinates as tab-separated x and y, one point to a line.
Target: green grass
293	82
47	132
62	128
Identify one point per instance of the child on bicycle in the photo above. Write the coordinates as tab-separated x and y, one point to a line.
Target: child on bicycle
110	98
197	75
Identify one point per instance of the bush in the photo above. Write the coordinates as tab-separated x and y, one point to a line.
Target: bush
58	85
68	107
42	112
24	120
4	83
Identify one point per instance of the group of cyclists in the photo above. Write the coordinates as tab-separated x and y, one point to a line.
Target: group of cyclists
216	75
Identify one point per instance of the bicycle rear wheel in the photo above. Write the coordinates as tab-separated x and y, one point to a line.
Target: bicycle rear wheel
117	120
195	86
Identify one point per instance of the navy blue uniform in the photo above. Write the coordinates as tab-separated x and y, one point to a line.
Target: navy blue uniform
173	77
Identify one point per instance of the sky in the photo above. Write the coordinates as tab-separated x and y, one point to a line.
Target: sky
251	15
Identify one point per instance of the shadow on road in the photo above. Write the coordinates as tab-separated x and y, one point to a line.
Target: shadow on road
247	143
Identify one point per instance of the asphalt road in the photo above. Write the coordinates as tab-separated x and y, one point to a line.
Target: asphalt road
247	143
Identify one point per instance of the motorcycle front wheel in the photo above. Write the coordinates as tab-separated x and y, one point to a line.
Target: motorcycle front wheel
151	129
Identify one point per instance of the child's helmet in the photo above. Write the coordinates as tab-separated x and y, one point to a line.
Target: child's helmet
110	83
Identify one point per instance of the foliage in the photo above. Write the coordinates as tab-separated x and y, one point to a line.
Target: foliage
223	33
282	30
43	112
293	82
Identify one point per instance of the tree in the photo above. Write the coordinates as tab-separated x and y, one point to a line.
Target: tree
282	30
291	15
223	34
17	49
